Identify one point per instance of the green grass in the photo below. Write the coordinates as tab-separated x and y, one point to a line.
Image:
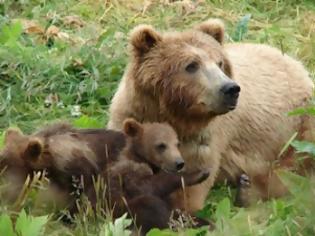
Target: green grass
83	65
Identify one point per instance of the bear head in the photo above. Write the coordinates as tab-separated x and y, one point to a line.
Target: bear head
16	159
156	143
20	150
187	73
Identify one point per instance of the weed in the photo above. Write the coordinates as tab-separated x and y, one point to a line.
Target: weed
63	59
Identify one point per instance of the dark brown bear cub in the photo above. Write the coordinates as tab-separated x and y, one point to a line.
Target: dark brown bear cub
145	174
62	151
137	165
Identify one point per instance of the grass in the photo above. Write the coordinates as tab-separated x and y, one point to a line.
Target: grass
57	66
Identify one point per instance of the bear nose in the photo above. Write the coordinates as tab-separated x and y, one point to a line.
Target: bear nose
179	164
231	89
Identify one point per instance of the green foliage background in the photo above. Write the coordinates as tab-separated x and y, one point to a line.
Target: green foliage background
83	63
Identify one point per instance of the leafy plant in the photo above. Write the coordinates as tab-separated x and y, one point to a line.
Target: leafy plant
87	122
241	28
187	232
117	228
1	139
6	226
10	34
303	111
304	147
223	212
25	225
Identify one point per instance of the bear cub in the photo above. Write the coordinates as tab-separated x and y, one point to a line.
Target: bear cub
145	174
138	165
62	151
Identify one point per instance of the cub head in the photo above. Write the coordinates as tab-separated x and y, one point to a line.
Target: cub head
21	156
156	143
20	151
188	73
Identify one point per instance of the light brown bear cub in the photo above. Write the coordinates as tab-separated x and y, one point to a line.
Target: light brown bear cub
227	102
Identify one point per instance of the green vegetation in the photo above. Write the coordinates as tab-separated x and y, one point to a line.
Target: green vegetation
63	60
24	225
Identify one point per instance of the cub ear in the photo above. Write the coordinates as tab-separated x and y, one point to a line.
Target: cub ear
12	133
214	28
33	149
132	128
143	38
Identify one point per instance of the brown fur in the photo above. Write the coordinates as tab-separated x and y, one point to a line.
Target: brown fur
176	95
138	182
61	150
131	163
157	87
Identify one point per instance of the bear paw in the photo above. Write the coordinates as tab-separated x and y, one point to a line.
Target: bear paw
244	181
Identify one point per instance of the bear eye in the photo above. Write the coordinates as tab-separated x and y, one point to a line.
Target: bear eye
161	147
192	67
178	145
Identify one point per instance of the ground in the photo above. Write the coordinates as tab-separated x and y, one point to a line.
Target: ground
63	60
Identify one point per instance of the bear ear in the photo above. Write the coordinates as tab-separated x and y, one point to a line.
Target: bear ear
11	134
33	150
143	38
132	127
214	28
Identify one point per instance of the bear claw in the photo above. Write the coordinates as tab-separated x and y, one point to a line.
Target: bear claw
244	181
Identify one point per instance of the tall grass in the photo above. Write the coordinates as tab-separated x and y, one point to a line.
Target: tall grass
63	59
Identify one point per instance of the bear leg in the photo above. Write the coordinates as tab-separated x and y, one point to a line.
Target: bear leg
166	183
149	212
242	194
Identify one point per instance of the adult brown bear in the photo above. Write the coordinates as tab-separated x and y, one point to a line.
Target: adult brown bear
190	79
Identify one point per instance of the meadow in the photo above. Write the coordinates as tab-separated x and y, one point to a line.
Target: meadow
62	60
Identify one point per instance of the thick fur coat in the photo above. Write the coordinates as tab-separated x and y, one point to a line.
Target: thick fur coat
180	78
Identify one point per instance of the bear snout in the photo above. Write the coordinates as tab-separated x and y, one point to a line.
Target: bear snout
179	164
230	92
231	89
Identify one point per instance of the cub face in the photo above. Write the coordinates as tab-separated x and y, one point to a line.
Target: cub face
157	143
